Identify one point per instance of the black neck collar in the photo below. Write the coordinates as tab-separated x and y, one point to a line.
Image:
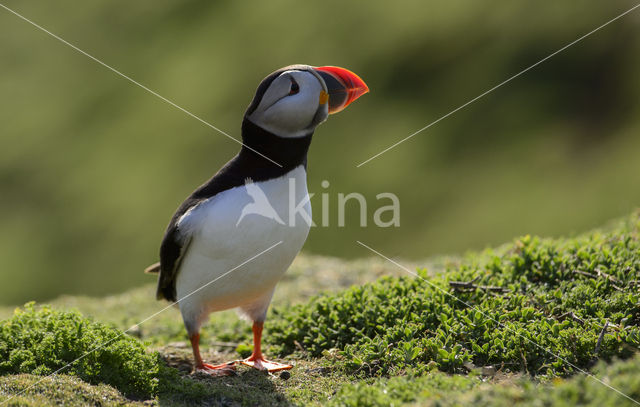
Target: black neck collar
287	152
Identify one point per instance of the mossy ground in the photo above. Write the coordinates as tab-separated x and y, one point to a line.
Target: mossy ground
399	339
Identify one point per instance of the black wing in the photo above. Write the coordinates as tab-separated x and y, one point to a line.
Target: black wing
175	243
172	250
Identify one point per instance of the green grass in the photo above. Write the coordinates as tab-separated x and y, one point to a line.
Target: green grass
405	323
390	339
41	341
438	389
59	390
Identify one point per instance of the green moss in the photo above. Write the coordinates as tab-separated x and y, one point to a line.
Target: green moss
402	390
438	389
396	325
40	341
392	335
58	390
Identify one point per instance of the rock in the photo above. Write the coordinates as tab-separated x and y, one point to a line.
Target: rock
488	370
135	330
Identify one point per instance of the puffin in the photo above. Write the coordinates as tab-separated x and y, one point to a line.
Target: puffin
230	242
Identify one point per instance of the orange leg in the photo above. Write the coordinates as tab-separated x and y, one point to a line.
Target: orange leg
257	360
225	369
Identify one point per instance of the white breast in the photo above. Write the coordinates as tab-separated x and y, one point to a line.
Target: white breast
219	243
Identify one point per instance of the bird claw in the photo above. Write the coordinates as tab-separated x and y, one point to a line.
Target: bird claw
266	365
225	369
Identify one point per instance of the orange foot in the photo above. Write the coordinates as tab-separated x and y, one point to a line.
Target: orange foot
261	363
225	369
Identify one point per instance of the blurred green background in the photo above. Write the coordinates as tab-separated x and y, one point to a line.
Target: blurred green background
92	167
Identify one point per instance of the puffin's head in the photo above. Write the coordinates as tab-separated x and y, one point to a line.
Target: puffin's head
293	100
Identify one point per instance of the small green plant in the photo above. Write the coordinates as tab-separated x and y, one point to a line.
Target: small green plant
41	340
442	390
403	390
392	337
538	306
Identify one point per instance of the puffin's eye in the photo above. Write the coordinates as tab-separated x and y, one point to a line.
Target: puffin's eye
295	88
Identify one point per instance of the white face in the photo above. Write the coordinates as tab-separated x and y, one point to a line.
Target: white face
291	106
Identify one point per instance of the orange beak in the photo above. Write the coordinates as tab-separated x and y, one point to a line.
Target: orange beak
343	86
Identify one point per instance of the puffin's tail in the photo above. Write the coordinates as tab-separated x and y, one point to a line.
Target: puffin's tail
153	269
